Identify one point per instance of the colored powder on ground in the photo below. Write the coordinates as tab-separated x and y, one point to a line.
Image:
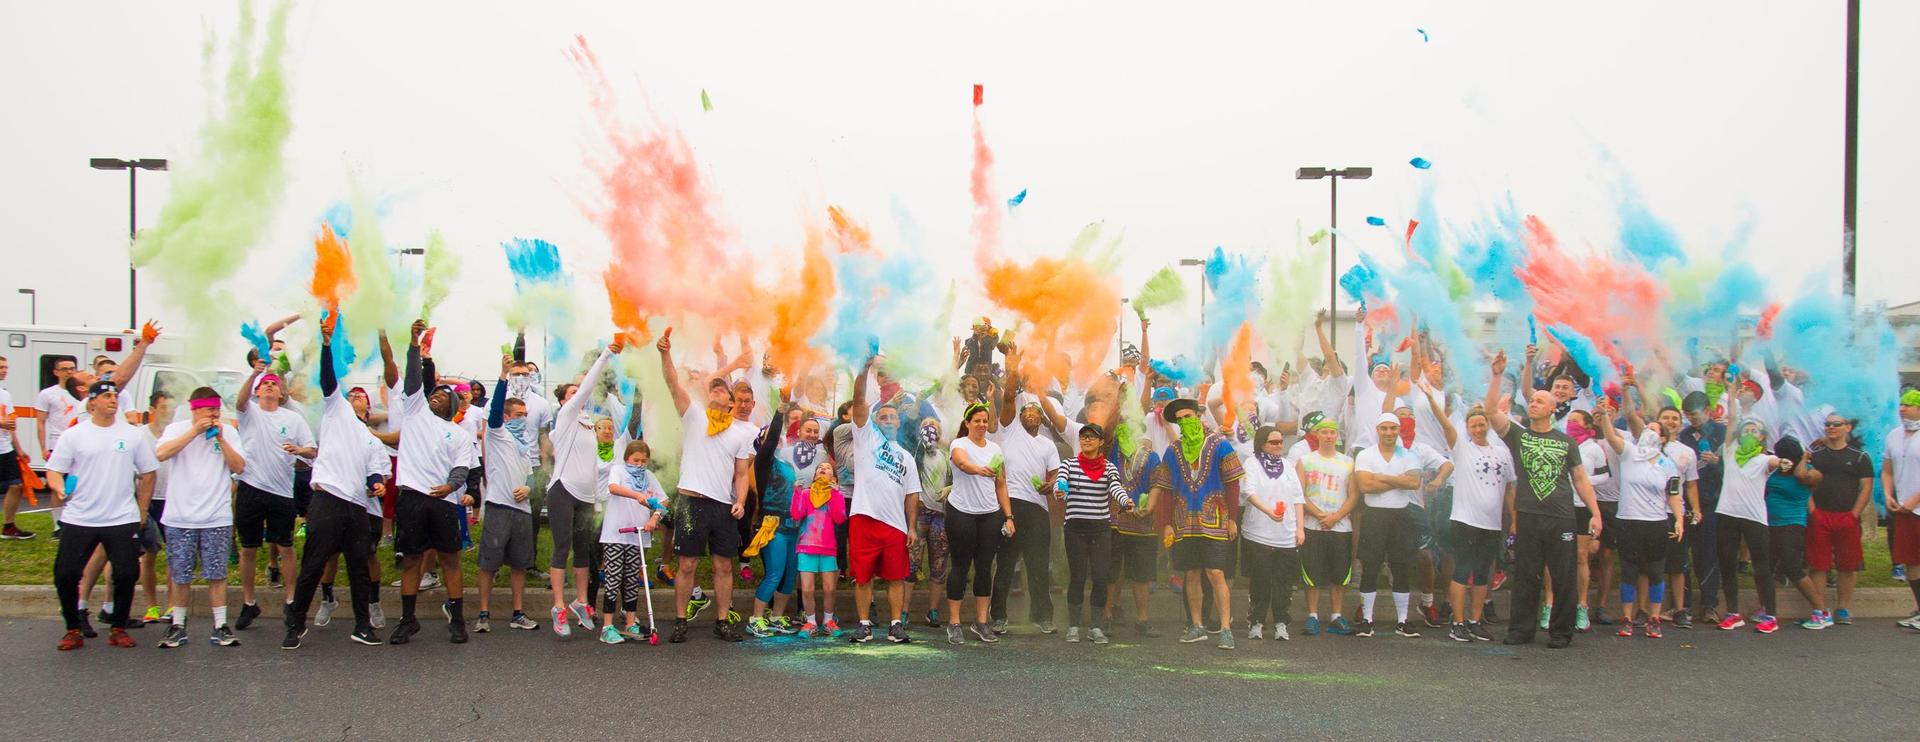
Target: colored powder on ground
332	269
442	266
223	198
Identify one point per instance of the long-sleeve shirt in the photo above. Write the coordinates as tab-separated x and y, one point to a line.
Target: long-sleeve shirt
816	524
576	457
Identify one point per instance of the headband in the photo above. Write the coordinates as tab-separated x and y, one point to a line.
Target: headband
1387	418
204	403
269	376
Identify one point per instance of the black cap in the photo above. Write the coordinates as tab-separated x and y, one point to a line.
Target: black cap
1092	429
1167	413
102	387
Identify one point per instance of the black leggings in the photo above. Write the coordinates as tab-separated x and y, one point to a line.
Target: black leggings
1271	574
1387	535
1789	551
972	543
122	543
1732	530
1032	543
1089	550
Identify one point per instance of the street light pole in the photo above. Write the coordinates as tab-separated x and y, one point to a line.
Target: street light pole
1333	175
1202	265
133	226
33	306
1849	192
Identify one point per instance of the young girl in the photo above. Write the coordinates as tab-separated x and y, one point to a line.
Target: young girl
631	517
820	508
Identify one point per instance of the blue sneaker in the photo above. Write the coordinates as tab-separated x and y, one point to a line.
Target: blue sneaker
1842	617
1313	626
1339	627
1900	572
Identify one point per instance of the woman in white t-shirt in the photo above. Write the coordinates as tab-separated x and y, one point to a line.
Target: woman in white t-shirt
979	515
1483	477
1271	533
1650	515
1743	517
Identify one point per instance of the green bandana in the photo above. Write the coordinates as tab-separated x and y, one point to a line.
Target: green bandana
1126	438
1713	393
1910	398
1192	437
606	452
1749	448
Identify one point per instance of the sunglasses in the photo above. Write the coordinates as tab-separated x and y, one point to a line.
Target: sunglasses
1837	423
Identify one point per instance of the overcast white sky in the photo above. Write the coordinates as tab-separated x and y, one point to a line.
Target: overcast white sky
1179	124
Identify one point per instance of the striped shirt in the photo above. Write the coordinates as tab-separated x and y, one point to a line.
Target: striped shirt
1087	499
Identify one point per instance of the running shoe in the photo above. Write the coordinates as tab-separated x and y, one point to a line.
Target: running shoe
57	531
782	625
456	631
1046	627
1817	621
1626	629
1900	572
223	637
1910	622
1459	633
1096	636
746	573
733	616
1226	639
1178	583
1842	617
679	633
273	577
696	604
1000	626
662	577
403	632
897	633
248	613
176	636
1581	622
633	633
1363	628
1489	614
376	617
1280	633
1559	642
1765	624
72	640
831	628
810	629
1194	633
862	633
520	621
1546	616
933	618
430	581
560	626
153	614
956	635
1499	580
13	533
293	638
324	615
1406	629
984	633
1653	628
759	628
1681	621
482	624
1600	617
583	614
1431	613
1073	634
727	631
1255	632
1146	630
1313	626
86	627
1479	631
133	622
611	635
1732	621
366	636
1340	627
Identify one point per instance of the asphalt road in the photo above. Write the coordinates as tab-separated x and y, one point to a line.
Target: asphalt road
1848	681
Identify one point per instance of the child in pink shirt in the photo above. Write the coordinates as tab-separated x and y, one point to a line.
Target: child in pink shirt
819	506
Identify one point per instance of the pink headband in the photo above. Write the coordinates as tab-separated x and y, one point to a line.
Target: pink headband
275	378
202	404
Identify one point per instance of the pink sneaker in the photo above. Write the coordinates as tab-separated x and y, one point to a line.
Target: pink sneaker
1732	621
1765	624
810	629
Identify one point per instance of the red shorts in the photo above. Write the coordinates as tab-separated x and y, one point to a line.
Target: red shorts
1833	541
1906	538
875	549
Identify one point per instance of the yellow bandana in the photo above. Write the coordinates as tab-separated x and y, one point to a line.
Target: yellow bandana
821	493
718	420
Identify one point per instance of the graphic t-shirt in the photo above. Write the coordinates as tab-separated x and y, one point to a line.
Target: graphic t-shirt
884	474
1326	486
1480	478
1544	464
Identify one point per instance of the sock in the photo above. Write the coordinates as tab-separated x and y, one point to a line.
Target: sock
864	622
1426	600
406	607
896	622
829	615
1629	592
697	593
180	617
326	591
1366	606
1656	594
457	607
1400	601
107	607
219	615
516	614
1336	616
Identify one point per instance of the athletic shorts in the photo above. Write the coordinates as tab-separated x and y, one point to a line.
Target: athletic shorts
425	523
1788	545
1200	552
1647	546
1609	518
302	489
373	530
262	517
153	538
1679	554
875	549
1833	541
1473	551
1326	560
390	502
710	529
1390	535
818	563
198	552
1135	556
506	538
9	470
1582	520
1438	521
1906	538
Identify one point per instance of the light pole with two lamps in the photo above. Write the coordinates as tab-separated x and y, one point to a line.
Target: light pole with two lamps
1333	176
133	168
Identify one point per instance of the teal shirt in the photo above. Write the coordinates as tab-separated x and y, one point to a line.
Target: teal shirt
1786	501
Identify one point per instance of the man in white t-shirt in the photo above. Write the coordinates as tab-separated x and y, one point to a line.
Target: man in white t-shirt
112	468
435	457
1032	463
508	538
716	459
881	529
9	471
57	407
263	505
1391	476
202	454
1900	488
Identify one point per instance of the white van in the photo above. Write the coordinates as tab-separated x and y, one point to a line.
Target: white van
32	351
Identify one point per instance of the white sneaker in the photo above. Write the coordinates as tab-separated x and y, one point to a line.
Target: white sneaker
429	581
1910	622
1280	633
1253	632
324	615
376	617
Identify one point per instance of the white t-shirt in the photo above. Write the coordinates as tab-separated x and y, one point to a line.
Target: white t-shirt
1743	490
1480	478
1256	520
341	468
884	474
509	466
160	474
972	493
378	463
1426	427
626	512
475	423
1326	484
706	461
58	411
6	411
105	460
430	448
201	483
1419	458
1599	466
1643	488
1903	450
1028	457
269	467
1685	462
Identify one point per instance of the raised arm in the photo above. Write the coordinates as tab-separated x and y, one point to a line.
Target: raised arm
1331	364
1496	407
674	389
1446	425
859	410
141	341
389	370
329	383
413	358
497	403
1603	418
245	395
571	410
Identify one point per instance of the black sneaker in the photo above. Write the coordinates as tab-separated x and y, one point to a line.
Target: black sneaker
176	636
1459	633
1406	629
1145	630
1489	615
1560	642
897	633
456	632
273	578
727	631
86	628
862	633
365	635
1478	631
248	613
679	633
404	631
13	533
293	638
223	637
1363	628
983	633
1514	639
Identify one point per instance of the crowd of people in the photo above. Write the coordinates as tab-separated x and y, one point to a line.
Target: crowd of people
1637	507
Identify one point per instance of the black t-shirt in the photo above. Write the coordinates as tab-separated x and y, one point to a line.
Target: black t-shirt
1545	463
1840	475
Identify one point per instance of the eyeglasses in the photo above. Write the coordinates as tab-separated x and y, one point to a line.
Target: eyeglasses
1837	423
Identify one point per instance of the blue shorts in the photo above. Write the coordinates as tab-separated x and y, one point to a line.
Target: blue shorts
205	546
819	563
